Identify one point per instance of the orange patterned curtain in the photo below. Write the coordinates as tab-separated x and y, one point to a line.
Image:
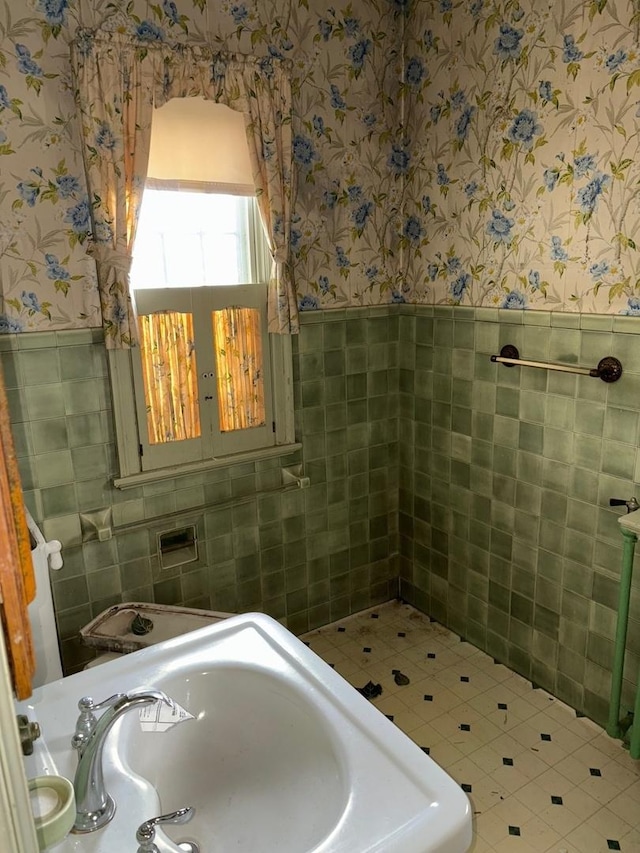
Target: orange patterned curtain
239	368
17	581
170	376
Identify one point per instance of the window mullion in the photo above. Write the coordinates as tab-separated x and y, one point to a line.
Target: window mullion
206	370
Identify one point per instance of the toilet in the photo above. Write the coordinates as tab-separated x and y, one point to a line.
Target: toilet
118	630
136	625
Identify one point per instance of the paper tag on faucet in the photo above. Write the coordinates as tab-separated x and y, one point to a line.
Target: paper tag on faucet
160	717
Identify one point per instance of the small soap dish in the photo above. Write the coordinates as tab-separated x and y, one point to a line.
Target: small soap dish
53	805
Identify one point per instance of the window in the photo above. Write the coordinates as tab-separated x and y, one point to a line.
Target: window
208	380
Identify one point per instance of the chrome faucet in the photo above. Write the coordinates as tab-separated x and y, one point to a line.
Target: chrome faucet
94	806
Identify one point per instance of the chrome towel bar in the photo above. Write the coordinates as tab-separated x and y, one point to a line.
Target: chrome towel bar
609	368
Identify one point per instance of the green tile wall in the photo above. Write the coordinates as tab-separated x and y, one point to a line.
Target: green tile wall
482	490
305	557
506	535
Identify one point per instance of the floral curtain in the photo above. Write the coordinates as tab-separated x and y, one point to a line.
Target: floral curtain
119	78
170	376
239	372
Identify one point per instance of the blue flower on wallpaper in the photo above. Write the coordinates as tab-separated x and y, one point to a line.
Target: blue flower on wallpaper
3	137
318	124
615	60
275	52
4	98
507	45
434	113
415	71
545	91
464	122
323	284
453	264
633	307
524	127
337	101
330	198
105	138
67	185
30	301
534	279
170	10
351	27
599	269
9	325
550	178
371	272
458	99
558	252
325	29
55	271
445	6
514	300
442	179
78	217
570	51
583	165
341	259
499	227
303	151
148	31
358	53
54	11
27	65
432	271
587	196
427	39
239	13
354	191
426	204
476	7
470	189
460	285
401	6
399	159
413	229
28	193
369	120
361	214
397	297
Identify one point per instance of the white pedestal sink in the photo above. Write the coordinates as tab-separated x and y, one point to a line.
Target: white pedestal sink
281	754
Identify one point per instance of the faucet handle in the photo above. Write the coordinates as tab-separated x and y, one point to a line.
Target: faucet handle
87	720
145	836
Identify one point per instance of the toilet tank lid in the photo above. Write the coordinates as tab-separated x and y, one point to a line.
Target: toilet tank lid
111	629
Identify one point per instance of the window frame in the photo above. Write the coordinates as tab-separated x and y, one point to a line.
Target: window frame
123	365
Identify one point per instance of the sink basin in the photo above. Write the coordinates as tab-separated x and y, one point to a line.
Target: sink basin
277	753
273	759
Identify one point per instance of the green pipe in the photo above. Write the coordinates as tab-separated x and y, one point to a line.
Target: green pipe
613	724
634	744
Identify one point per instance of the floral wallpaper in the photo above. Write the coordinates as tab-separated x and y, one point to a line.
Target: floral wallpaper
522	124
346	84
473	153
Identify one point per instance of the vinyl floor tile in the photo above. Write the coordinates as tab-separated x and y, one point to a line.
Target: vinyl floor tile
540	779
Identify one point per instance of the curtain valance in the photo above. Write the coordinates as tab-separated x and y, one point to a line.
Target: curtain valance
119	78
